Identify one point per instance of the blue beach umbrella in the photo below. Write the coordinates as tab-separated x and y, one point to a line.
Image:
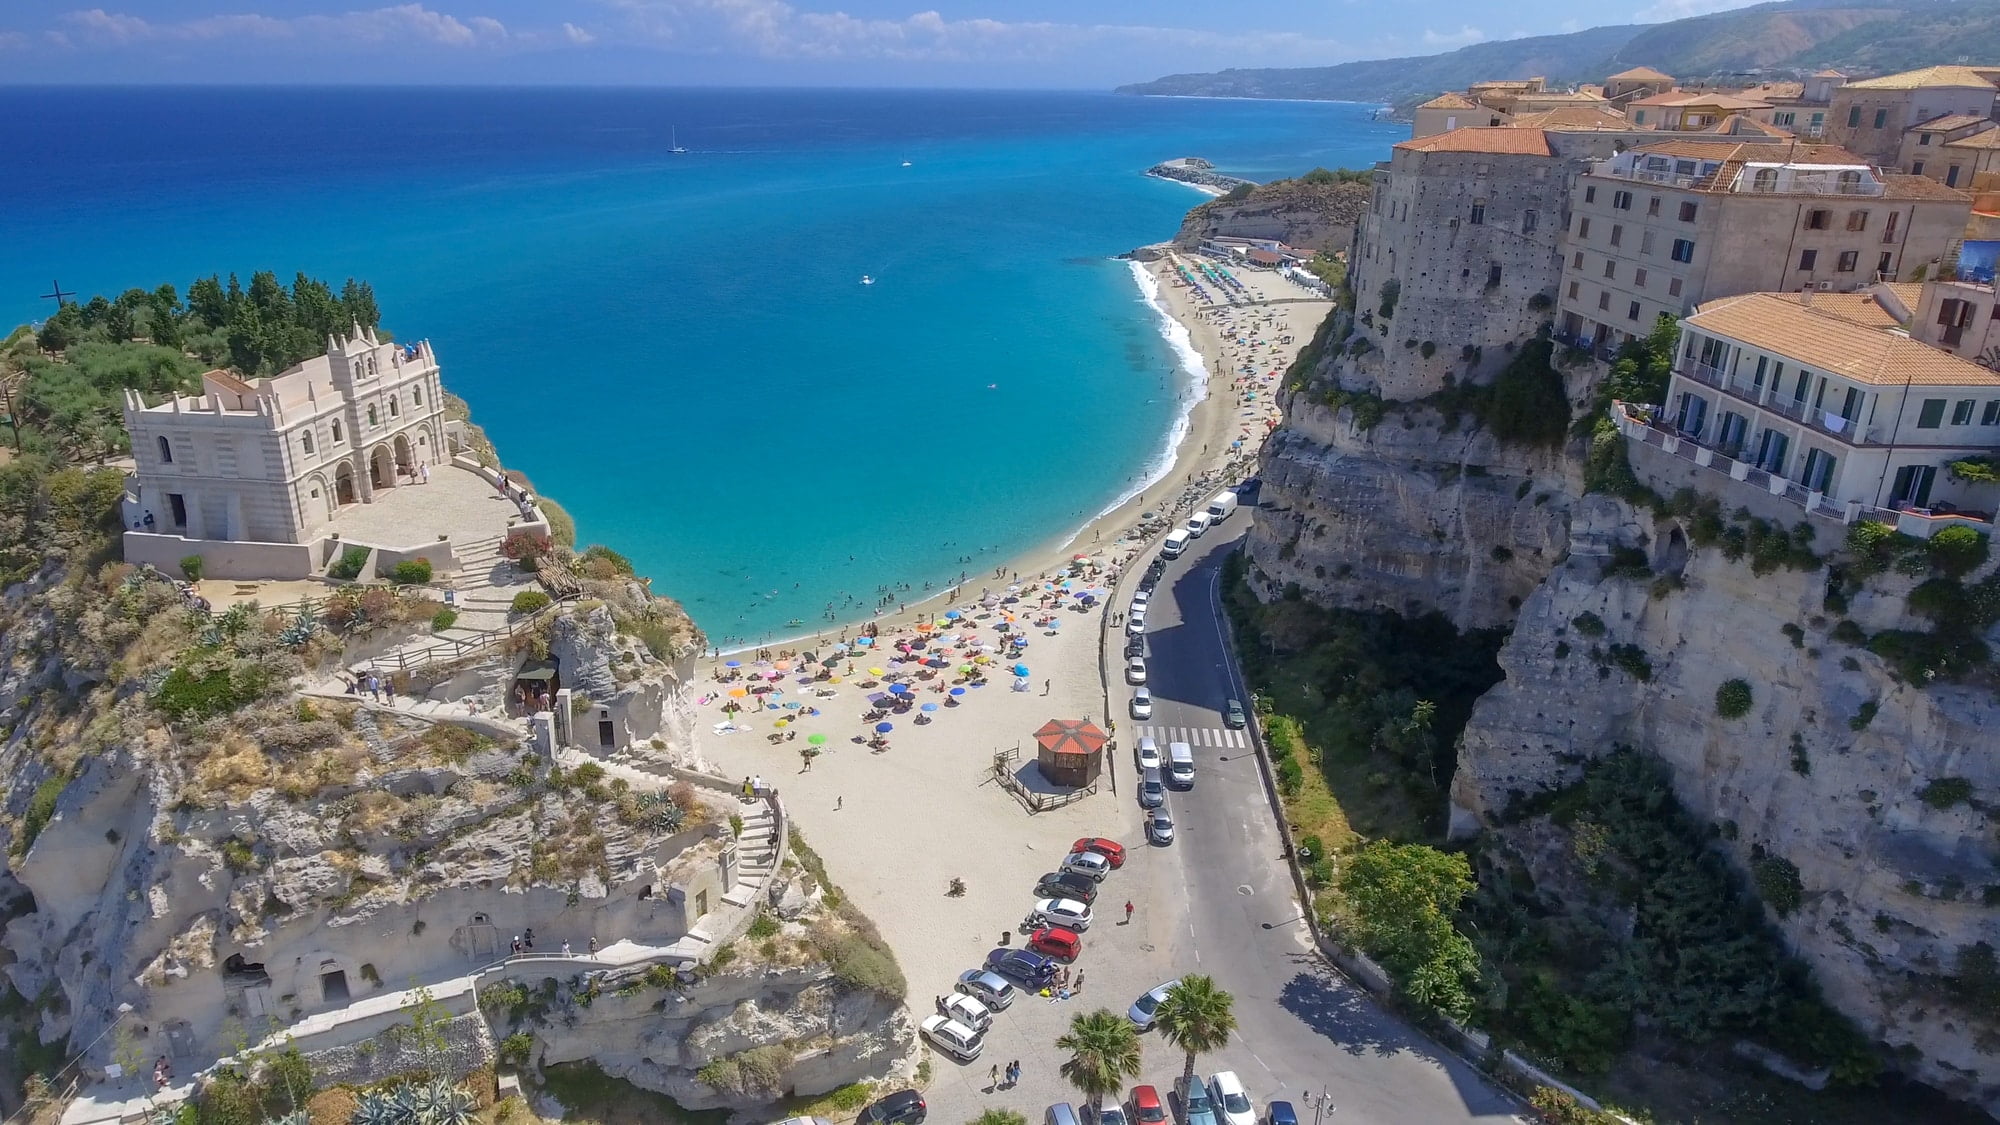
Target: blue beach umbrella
900	689
866	642
884	728
930	707
1020	669
732	664
958	691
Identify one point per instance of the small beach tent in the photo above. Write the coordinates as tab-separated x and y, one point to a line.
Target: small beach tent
1070	751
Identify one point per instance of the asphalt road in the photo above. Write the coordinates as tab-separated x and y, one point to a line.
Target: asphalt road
1303	1029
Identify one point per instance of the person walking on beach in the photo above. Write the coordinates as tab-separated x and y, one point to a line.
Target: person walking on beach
1128	911
993	1078
1046	685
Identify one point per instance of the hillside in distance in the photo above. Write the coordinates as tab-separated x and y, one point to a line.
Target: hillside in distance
1856	35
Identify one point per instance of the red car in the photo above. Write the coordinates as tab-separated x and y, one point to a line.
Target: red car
1056	942
1111	850
1146	1107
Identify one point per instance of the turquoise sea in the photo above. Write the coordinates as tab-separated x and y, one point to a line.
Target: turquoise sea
679	348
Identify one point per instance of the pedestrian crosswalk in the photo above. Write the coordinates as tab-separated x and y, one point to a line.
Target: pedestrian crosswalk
1195	736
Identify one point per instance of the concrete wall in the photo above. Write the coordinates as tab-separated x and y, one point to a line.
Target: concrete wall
222	558
1903	108
442	558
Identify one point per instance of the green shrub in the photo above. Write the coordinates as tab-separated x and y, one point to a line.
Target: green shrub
1944	792
443	619
1864	716
1588	623
1627	562
414	572
1849	633
763	926
41	809
1527	404
191	567
1632	659
1732	699
1392	289
603	562
1958	550
1977	470
1919	658
348	566
202	687
1777	880
517	1049
238	856
562	526
529	601
1428	349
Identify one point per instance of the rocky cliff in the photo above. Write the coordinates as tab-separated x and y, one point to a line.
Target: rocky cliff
1877	792
1309	215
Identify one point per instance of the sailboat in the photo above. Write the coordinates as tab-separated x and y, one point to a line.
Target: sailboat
673	138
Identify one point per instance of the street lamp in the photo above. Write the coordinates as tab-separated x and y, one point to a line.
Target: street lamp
1322	1106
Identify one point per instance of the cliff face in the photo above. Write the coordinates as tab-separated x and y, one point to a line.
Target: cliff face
1307	215
1829	770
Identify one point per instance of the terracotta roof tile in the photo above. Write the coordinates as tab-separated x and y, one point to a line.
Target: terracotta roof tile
1918	187
1839	336
229	381
1928	76
1985	138
1640	74
1946	122
1498	140
1448	101
1572	119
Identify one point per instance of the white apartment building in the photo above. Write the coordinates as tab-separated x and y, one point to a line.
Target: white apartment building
1660	228
271	460
1825	397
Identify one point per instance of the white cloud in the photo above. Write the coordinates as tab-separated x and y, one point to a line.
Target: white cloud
577	35
1661	11
10	39
1463	36
371	27
774	29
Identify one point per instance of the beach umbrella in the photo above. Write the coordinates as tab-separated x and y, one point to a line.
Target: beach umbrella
884	728
738	693
816	739
877	696
783	665
1020	669
732	664
959	690
930	707
952	615
876	672
899	689
792	706
781	723
866	642
925	626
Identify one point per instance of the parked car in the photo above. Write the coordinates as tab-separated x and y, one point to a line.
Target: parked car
952	1037
1135	646
1067	884
1112	851
1135	624
1152	791
1061	1113
1056	942
1232	1101
1065	912
1111	1115
989	988
1196	1108
1142	703
904	1107
1087	863
960	1008
1281	1113
1028	967
1147	1108
1160	828
1135	670
1148	753
1143	1008
803	1121
1232	714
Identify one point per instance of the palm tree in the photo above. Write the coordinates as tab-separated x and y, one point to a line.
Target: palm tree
1196	1016
1103	1052
999	1117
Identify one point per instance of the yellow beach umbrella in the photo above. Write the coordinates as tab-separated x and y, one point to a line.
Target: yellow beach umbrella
876	672
738	693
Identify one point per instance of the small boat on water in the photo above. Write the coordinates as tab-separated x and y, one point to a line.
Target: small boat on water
866	280
906	164
674	140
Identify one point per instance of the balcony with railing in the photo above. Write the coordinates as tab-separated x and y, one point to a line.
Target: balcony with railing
1647	426
1824	421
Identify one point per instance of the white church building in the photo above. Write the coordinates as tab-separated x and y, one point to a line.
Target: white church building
252	474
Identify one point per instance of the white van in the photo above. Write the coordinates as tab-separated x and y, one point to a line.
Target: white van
1180	764
1220	507
1177	541
1198	523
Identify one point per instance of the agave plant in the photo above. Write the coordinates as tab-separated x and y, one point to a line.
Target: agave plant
296	1117
403	1104
449	1104
376	1108
300	631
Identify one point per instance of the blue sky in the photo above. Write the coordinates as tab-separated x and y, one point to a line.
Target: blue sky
1049	43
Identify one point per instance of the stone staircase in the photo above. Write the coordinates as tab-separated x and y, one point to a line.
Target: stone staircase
482	591
757	853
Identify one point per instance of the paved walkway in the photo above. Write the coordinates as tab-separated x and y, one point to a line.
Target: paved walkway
456	502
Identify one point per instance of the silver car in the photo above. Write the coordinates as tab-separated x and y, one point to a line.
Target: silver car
1142	703
1160	829
1152	791
991	989
1148	753
1144	1007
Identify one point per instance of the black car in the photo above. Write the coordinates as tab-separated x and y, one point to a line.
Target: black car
1135	647
904	1107
1067	884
